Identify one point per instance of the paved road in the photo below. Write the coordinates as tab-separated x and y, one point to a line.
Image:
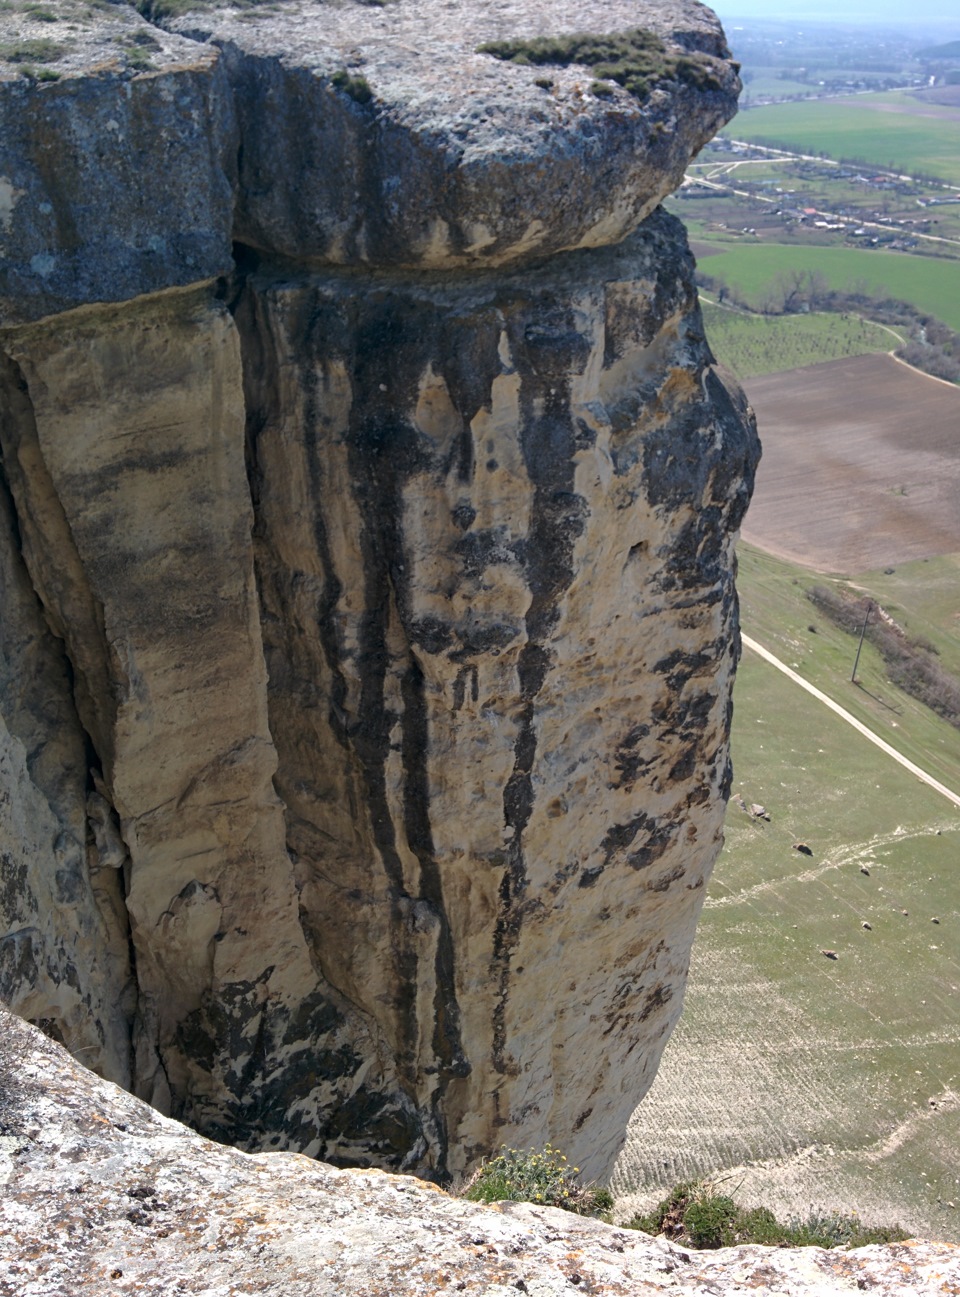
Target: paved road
851	720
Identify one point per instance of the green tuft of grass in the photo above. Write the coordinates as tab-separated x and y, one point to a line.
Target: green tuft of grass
544	1177
156	10
358	88
32	51
137	48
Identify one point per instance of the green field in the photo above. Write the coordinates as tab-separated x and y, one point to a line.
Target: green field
751	345
799	1079
858	128
772	86
808	1080
931	284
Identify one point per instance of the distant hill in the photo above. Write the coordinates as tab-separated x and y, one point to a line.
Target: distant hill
951	50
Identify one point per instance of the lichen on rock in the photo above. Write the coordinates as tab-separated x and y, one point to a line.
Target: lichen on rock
372	500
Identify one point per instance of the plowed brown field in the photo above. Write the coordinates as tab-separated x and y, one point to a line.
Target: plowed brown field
861	465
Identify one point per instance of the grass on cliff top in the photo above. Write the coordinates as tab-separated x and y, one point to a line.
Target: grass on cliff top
696	1214
818	1056
155	11
32	51
637	60
539	1176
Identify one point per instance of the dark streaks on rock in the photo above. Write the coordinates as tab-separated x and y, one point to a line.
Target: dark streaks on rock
387	578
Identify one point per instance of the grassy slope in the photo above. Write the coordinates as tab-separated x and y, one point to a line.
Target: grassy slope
809	1077
776	612
931	284
751	345
925	598
857	128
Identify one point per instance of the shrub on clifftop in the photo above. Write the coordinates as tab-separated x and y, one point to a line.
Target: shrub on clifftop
545	1177
696	1215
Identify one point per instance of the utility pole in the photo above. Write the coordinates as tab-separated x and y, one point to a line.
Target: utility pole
863	628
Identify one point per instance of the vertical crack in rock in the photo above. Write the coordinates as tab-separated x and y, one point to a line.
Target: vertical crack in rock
65	958
50	555
395	345
323	691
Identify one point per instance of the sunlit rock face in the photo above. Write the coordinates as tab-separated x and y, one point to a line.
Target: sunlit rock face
369	624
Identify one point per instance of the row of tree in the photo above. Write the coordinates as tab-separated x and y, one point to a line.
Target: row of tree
910	660
929	344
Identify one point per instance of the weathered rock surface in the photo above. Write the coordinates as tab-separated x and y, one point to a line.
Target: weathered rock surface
369	622
114	181
100	1194
458	159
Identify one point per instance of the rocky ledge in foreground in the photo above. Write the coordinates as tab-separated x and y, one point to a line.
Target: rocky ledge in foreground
367	512
100	1194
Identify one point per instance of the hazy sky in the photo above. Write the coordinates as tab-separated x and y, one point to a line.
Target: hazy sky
915	13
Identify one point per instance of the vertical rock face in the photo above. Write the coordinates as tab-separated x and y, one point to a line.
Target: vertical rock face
369	624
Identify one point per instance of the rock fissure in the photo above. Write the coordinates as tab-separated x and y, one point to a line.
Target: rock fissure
368	460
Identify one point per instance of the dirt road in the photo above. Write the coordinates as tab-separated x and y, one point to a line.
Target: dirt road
851	720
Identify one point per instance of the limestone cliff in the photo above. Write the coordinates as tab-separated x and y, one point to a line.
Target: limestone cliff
368	611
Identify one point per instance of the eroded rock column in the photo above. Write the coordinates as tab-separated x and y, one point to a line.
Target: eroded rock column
380	587
495	519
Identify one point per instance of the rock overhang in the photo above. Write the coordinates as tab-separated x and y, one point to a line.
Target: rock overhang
401	140
337	134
